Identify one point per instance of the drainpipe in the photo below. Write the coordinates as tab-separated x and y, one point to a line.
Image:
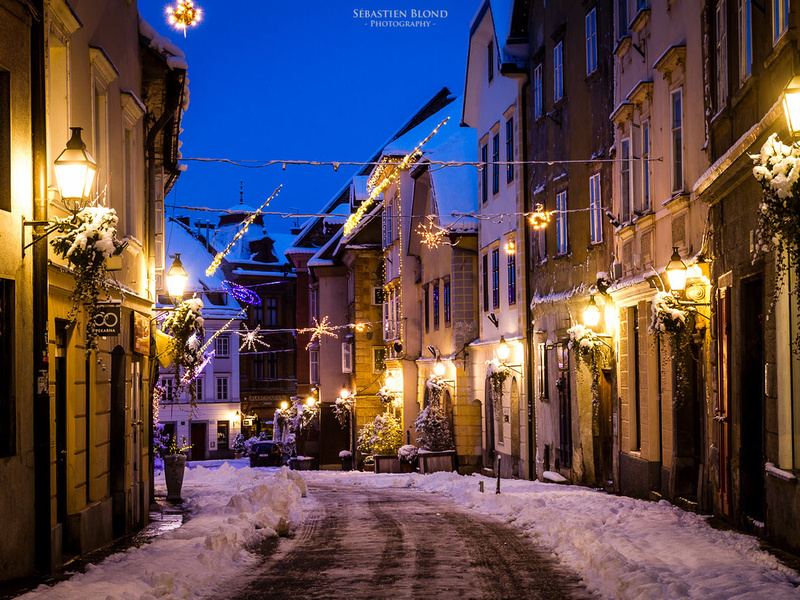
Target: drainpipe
41	395
530	347
172	104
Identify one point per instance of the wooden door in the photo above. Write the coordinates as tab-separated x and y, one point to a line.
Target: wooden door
198	441
722	417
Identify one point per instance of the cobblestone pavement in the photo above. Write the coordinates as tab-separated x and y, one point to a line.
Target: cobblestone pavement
398	544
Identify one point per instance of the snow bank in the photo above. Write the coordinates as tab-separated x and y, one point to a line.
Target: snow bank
230	511
620	547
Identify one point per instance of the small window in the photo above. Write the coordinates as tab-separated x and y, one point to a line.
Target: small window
622	18
347	358
447	309
496	164
258	367
313	363
272	311
272	366
595	209
562	237
510	150
496	278
222	346
378	359
222	389
198	388
485	174
427	308
377	296
313	305
537	91
168	385
677	140
223	430
780	19
512	275
721	53
591	41
745	40
646	192
625	180
436	306
490	61
486	282
558	73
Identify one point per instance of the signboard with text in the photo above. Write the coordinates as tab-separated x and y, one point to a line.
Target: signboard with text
107	319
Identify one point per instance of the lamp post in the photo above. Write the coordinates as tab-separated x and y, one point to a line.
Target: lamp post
75	171
591	314
676	272
176	278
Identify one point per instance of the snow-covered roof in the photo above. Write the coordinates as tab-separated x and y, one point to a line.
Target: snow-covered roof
174	56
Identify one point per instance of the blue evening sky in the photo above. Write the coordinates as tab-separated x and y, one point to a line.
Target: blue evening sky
303	80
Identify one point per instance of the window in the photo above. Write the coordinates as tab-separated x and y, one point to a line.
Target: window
561	223
377	295
272	311
591	41
495	165
625	180
745	40
258	367
313	365
436	306
5	140
223	429
8	420
537	91
347	358
490	61
622	18
258	315
510	150
541	370
485	174
496	278
169	389
721	54
198	388
646	193
595	209
485	282
388	222
378	359
427	309
677	140
272	366
222	388
447	309
558	73
313	304
222	346
780	18
512	276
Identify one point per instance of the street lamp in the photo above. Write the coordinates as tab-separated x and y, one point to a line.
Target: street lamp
676	272
591	314
75	170
791	105
503	350
176	278
390	379
311	401
284	405
438	368
344	394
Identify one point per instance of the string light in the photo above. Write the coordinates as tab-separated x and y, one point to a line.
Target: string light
320	328
540	217
241	293
222	330
245	226
379	181
184	14
250	338
432	235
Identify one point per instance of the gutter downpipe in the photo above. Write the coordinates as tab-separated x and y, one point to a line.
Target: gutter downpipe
43	551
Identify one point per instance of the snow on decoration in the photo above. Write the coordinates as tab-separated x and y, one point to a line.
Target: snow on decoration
432	426
603	281
387	396
85	240
778	171
668	315
588	348
345	454
185	325
241	293
184	14
384	435
497	372
342	408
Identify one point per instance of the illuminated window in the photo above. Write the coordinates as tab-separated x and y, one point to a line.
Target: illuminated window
447	309
780	19
677	140
223	428
562	239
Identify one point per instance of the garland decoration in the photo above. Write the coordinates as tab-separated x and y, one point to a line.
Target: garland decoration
588	349
497	372
342	409
86	240
185	325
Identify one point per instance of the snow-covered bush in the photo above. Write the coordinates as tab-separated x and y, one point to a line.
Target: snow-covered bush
85	240
778	171
407	454
668	315
239	444
433	429
384	435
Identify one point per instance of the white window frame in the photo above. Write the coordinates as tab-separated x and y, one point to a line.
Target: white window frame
780	19
676	136
222	345
595	209
647	174
562	236
625	191
313	305
558	71
168	386
313	365
538	96
223	388
347	357
591	41
745	39
721	53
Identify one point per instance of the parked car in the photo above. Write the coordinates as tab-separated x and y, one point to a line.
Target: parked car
267	454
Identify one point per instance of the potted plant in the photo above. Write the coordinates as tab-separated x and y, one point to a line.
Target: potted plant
238	445
435	439
408	457
174	466
382	438
347	460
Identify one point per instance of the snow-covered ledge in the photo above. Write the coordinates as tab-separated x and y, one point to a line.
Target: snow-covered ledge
779	473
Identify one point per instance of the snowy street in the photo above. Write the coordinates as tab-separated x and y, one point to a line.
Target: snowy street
362	535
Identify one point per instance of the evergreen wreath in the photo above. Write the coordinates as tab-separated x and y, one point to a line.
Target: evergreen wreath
86	239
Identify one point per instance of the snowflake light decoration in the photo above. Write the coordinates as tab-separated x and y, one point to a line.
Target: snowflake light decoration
250	339
320	328
184	14
432	235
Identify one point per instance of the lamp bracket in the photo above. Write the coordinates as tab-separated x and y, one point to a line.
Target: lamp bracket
34	238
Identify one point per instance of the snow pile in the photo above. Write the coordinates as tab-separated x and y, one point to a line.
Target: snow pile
231	510
620	547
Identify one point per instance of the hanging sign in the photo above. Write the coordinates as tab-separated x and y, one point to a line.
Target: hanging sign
107	319
141	333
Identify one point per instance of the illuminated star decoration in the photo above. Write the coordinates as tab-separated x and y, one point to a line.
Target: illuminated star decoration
184	14
241	293
320	328
250	339
245	226
540	217
432	235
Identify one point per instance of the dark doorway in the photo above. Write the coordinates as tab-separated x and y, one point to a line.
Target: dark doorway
564	458
118	441
688	383
515	458
62	338
603	431
334	437
488	425
751	456
721	416
199	437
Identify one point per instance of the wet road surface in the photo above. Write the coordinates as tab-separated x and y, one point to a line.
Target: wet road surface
403	544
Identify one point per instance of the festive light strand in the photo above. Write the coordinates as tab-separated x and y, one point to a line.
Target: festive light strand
432	235
320	328
379	181
184	14
250	338
245	226
223	329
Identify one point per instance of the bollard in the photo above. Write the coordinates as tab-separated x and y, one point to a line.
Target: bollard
499	462
480	486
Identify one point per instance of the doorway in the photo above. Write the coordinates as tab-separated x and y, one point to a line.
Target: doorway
62	338
118	442
514	428
751	456
488	425
199	437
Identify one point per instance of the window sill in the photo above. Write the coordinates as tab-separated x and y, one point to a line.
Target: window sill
562	256
743	90
778	47
623	46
